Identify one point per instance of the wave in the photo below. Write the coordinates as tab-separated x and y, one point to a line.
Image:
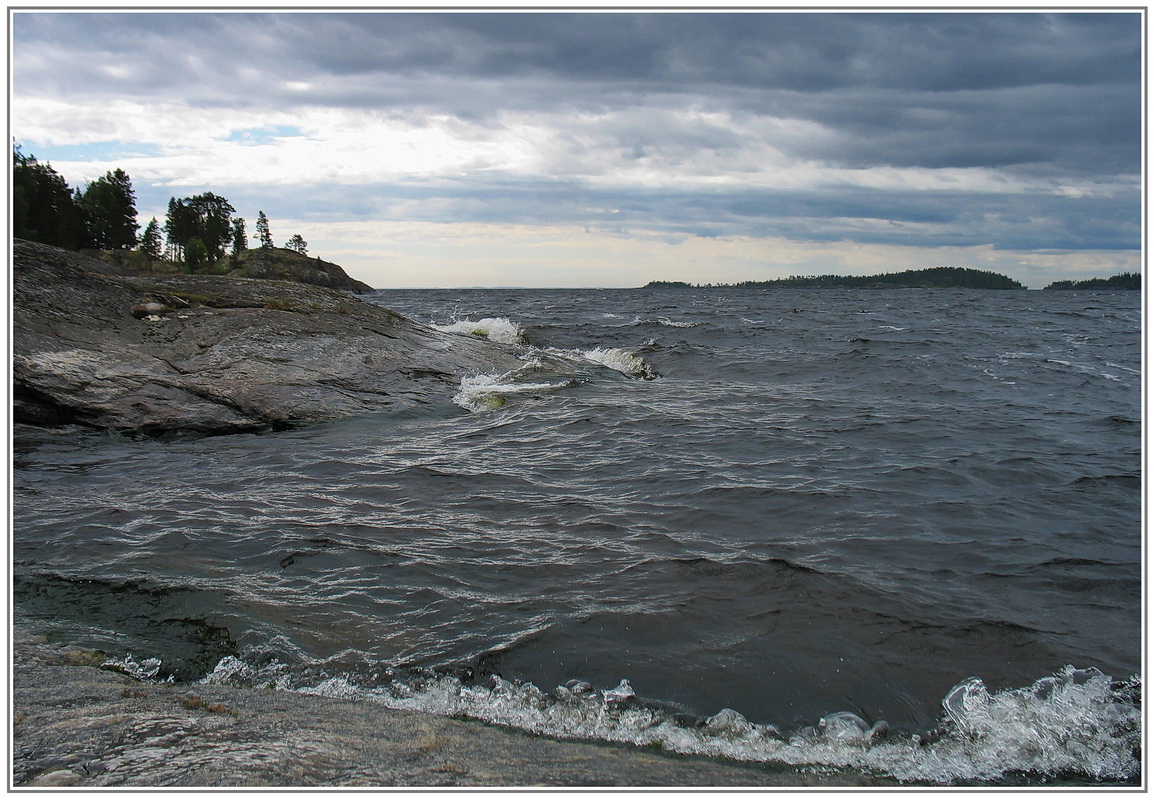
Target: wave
496	329
665	322
566	368
624	361
486	392
1076	723
489	392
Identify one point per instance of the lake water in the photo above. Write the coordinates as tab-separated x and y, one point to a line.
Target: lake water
885	531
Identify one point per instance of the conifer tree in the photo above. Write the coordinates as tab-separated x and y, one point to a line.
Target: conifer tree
44	208
109	205
207	217
150	242
195	254
179	227
239	238
297	244
262	230
213	223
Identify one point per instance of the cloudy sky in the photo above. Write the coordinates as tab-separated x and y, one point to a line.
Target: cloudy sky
610	149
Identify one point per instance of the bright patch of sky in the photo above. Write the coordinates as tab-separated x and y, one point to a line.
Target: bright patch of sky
265	135
91	151
612	149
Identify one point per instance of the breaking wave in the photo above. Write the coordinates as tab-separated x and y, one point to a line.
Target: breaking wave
488	392
560	368
505	331
496	329
1076	723
624	361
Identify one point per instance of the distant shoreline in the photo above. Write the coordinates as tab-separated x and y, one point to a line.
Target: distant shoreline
933	278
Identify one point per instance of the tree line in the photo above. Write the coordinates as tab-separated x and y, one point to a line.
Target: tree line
932	278
1126	280
197	231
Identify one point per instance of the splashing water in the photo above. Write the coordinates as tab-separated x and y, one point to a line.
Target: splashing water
622	360
1076	722
488	392
147	669
496	329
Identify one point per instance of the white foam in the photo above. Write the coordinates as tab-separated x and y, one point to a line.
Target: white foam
664	321
622	360
1070	723
488	392
496	329
144	670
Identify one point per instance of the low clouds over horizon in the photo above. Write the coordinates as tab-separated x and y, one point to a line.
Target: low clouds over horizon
786	142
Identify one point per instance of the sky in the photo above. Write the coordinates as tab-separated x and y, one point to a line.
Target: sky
609	149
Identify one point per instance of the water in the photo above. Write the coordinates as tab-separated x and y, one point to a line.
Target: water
896	532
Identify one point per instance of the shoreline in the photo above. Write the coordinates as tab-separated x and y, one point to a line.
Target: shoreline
77	724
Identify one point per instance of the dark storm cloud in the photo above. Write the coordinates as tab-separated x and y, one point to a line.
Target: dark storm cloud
878	79
1092	128
793	51
1054	98
903	89
933	218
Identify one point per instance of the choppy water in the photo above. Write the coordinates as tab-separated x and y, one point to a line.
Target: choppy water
889	531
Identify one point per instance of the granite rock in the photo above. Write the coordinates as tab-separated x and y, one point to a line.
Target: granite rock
203	354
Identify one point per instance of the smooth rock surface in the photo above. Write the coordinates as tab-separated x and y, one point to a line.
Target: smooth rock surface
229	354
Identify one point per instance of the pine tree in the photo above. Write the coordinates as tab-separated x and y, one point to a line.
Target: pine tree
213	223
150	242
262	230
109	205
179	227
44	208
298	244
195	254
207	217
239	238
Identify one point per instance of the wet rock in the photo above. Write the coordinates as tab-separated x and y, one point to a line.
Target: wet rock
205	354
78	725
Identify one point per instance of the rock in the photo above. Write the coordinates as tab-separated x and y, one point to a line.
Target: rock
142	310
56	777
91	348
280	264
85	726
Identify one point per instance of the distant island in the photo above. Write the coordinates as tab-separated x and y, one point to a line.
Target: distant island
1127	280
933	278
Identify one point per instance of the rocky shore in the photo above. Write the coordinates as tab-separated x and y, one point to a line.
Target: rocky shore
160	355
99	348
79	725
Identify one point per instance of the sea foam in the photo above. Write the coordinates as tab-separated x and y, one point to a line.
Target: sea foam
624	361
496	329
1077	722
488	392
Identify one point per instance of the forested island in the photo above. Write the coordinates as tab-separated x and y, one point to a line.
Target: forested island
1127	280
932	278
